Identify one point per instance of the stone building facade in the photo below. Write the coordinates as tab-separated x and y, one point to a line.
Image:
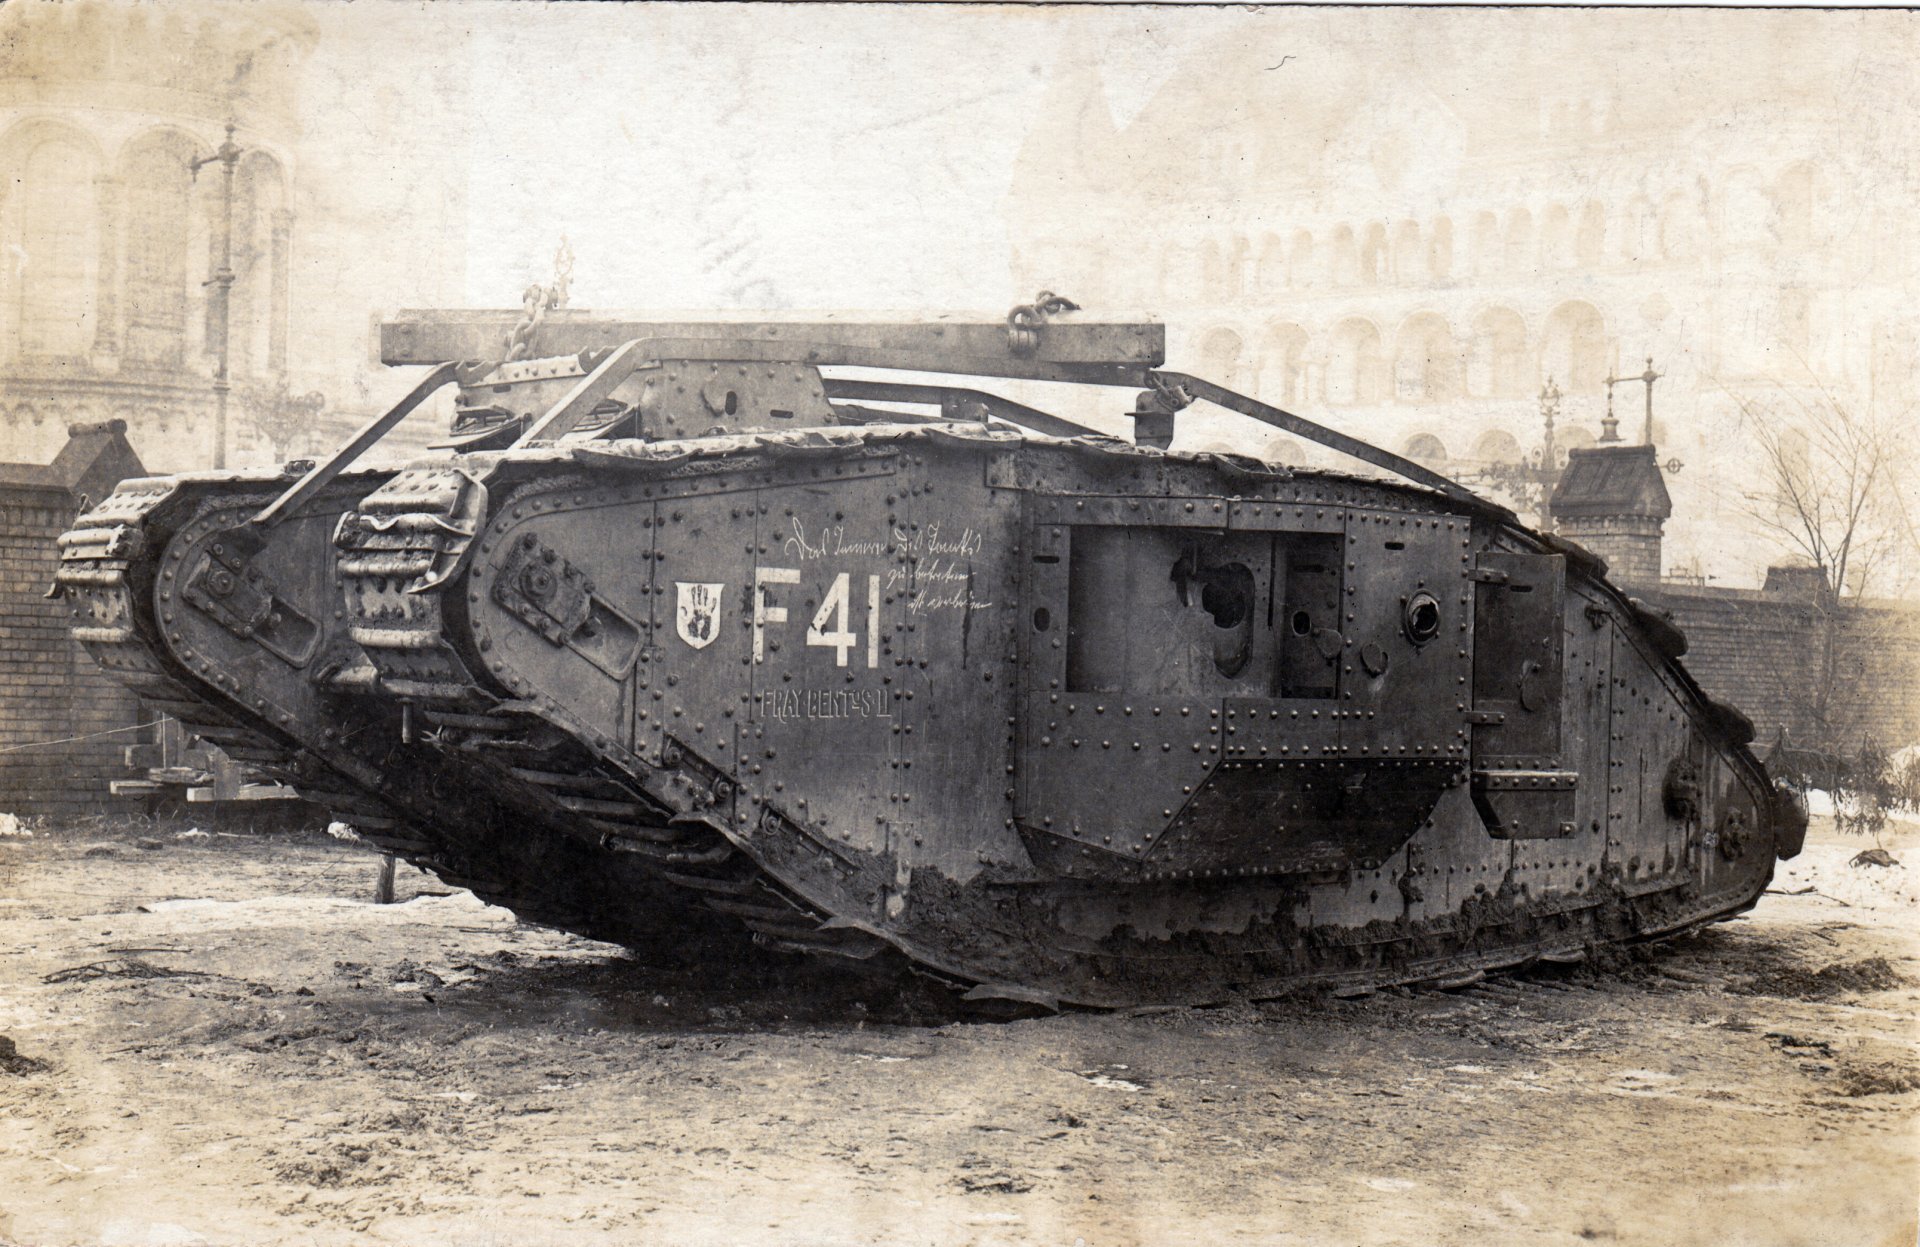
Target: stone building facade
109	234
1410	237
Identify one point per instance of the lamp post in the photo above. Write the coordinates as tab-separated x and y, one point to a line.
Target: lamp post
228	156
1537	472
1610	426
1549	458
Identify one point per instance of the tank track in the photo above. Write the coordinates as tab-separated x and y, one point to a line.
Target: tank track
687	851
407	540
108	565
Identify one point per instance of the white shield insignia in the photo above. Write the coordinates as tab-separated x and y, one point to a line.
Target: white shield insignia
696	615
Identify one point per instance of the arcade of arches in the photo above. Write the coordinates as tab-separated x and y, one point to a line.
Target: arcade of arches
107	254
1424	360
1748	209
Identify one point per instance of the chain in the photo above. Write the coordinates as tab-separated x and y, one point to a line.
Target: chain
1023	322
538	300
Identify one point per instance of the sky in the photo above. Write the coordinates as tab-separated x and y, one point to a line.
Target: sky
712	155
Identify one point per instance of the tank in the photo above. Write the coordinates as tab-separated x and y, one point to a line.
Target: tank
807	635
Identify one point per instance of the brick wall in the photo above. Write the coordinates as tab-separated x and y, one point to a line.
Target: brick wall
1760	652
50	688
1630	544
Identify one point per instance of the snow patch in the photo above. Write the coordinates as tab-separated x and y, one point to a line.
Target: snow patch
1823	874
1820	805
295	911
1109	1082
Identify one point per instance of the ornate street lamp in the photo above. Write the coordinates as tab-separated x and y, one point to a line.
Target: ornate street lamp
228	156
280	415
1533	478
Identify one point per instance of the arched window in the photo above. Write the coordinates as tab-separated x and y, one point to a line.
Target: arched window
1497	446
1749	211
1221	354
1894	363
1355	371
1272	275
52	248
1793	206
1373	255
1300	260
158	225
1426	364
1519	250
260	258
1283	449
1343	258
1216	277
1425	449
1793	318
1497	357
1590	246
1642	233
1556	237
1440	250
1569	438
1409	264
1486	245
1682	232
1574	348
1283	364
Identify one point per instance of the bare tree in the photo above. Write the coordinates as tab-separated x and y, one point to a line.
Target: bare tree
1830	490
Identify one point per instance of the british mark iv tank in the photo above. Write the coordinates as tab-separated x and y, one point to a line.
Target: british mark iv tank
807	634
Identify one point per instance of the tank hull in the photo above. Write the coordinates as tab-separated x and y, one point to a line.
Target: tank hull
1060	721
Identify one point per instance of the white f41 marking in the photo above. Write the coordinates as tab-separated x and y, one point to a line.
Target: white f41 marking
765	612
839	640
835	607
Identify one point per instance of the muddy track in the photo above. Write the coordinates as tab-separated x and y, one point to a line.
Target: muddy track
303	1067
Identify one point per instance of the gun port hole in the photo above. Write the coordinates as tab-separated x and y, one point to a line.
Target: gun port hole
1226	589
1302	623
1042	619
1423	619
1227	595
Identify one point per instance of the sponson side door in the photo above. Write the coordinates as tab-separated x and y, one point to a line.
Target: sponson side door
1523	788
1218	687
1141	616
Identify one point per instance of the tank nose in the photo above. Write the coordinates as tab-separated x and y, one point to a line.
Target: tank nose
1789	819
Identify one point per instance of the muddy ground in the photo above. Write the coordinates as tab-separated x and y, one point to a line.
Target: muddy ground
219	1039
